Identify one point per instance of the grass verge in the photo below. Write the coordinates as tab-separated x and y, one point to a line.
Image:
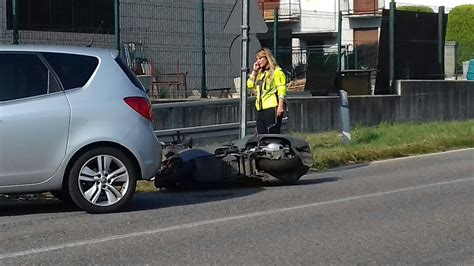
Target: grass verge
386	141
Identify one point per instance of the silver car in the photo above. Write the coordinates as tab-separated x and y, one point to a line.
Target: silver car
75	122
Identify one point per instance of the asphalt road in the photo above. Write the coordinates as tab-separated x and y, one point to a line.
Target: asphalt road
415	210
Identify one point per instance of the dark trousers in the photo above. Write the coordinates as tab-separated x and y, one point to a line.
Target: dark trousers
268	122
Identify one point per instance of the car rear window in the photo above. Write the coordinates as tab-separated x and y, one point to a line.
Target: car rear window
131	76
73	70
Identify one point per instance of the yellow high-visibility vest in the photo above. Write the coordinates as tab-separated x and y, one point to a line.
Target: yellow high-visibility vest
268	89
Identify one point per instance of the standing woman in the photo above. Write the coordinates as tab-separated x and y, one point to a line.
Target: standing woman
269	83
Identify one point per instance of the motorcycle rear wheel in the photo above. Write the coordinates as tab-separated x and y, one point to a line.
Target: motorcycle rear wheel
287	170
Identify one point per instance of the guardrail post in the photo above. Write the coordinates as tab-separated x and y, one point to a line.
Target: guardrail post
345	118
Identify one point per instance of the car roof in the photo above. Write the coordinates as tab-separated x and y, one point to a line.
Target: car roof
99	52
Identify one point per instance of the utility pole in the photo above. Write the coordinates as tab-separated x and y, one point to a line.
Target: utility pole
243	67
339	45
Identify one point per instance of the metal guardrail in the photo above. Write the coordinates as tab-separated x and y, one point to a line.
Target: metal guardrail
211	133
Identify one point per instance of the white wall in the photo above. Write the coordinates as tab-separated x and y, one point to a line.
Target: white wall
318	5
317	16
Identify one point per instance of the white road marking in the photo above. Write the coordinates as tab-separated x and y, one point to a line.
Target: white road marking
422	155
221	220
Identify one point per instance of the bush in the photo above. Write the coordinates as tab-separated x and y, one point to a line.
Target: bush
425	9
459	29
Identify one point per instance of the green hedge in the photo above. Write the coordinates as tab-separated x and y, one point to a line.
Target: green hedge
461	30
425	9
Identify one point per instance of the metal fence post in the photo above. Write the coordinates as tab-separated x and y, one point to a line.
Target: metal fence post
117	24
275	33
203	53
441	40
15	21
392	46
339	46
339	40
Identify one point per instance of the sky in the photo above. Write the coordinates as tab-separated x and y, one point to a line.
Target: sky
434	3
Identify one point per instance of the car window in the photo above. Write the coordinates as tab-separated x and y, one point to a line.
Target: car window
53	84
73	70
22	76
131	76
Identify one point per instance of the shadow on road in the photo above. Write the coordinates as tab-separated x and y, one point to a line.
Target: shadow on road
163	199
13	207
317	181
210	192
18	205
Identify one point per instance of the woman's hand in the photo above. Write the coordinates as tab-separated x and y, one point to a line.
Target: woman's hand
256	66
281	107
280	111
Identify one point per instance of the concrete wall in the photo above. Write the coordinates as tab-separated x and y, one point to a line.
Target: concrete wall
416	101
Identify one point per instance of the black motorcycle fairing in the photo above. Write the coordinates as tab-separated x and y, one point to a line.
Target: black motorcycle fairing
192	154
264	156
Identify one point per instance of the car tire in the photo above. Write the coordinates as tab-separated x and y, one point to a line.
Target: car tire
102	180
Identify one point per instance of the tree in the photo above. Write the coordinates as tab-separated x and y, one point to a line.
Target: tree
460	29
425	9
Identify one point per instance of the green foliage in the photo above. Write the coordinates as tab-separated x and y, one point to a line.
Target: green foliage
425	9
460	29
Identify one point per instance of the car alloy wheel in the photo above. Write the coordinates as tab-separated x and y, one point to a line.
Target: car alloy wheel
102	180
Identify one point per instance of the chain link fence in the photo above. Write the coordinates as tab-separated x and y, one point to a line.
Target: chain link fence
163	39
169	38
157	37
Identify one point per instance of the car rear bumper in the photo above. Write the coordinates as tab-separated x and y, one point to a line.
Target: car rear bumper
146	148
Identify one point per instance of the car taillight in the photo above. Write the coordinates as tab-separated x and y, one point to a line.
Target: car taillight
140	105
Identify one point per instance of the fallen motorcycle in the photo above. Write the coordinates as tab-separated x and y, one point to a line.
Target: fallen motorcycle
266	157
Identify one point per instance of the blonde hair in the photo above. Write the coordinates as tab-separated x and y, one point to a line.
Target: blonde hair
272	64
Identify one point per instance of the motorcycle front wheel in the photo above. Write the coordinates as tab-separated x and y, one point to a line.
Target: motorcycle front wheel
174	173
